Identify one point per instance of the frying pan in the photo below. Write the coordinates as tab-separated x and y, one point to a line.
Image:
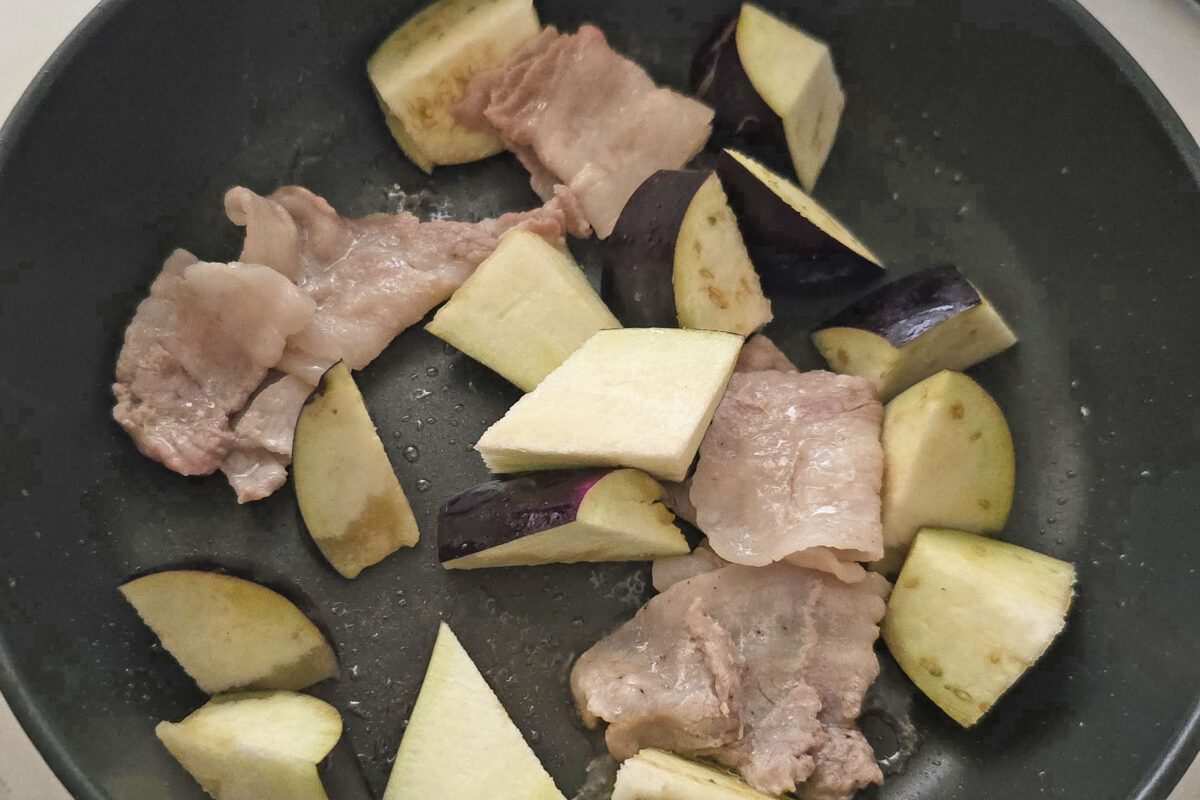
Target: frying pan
1014	139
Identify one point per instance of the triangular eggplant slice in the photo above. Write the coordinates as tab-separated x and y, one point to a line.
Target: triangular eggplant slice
911	328
797	245
561	516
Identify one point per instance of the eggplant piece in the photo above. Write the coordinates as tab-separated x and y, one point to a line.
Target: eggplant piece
349	497
228	633
255	745
911	328
969	616
459	742
632	397
772	85
558	517
658	775
523	311
422	70
948	462
798	246
676	255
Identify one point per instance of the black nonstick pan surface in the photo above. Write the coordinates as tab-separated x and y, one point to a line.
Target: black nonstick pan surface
1012	138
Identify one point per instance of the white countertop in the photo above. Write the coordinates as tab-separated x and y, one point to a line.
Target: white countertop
1163	35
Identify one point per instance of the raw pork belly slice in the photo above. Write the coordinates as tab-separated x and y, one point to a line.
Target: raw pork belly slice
371	277
576	112
763	669
197	348
759	353
257	463
792	461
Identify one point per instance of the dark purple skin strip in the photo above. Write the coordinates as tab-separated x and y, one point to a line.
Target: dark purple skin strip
908	307
501	511
742	117
639	256
792	254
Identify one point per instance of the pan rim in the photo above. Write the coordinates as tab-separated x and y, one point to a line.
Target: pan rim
1157	785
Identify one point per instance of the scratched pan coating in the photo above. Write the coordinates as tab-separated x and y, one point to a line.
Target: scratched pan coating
1013	139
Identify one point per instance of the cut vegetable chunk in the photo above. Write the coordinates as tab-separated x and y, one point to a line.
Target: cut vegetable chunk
970	615
351	502
558	517
913	327
636	397
659	775
255	745
229	633
948	462
525	309
676	254
422	70
460	743
797	245
769	80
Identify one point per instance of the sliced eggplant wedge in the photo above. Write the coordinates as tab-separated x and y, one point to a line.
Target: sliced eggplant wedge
771	84
948	462
422	70
913	327
349	497
676	255
523	311
562	516
969	615
635	397
658	775
798	246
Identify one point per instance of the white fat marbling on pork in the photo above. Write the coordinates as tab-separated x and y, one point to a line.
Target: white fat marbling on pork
197	347
577	113
257	463
792	461
763	669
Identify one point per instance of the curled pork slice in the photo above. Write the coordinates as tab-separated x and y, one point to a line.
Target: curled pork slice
257	461
197	348
371	277
763	669
575	112
792	461
668	571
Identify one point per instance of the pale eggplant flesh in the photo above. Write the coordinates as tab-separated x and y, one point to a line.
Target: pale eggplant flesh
633	283
906	308
793	254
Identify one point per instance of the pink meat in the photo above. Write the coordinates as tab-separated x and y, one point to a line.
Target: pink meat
257	463
759	353
197	348
792	461
371	277
670	570
577	113
763	669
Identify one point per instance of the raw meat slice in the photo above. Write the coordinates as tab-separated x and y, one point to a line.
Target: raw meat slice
371	277
198	346
666	572
763	669
792	461
257	464
759	353
576	112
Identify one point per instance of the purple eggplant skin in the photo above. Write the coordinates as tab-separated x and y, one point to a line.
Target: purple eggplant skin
637	281
793	255
742	119
500	511
904	309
